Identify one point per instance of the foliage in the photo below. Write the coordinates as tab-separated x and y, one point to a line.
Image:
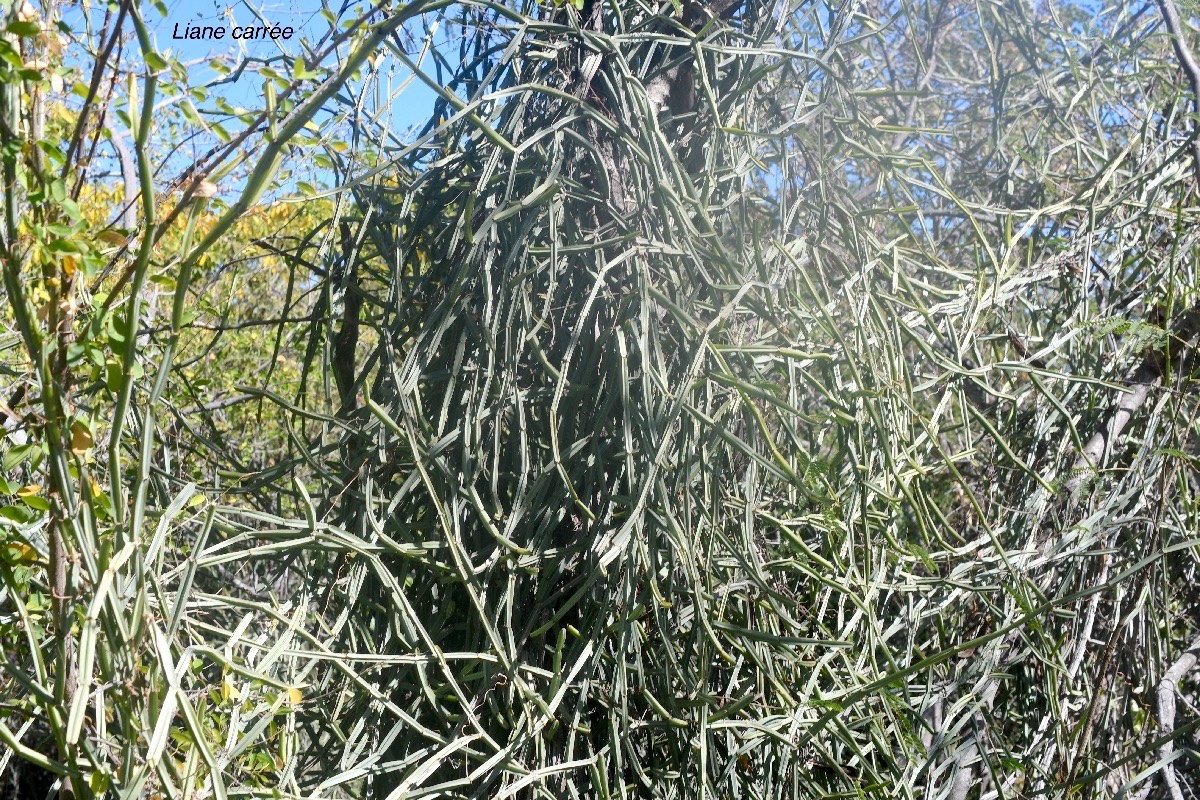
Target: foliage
709	400
109	683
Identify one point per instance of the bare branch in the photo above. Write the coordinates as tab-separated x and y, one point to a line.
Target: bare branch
1154	366
129	180
1167	688
1188	63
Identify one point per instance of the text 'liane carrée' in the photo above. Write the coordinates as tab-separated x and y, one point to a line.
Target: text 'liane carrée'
236	32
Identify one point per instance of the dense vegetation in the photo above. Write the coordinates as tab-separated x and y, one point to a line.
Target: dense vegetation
711	399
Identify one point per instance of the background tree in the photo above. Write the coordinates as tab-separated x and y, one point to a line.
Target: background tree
106	687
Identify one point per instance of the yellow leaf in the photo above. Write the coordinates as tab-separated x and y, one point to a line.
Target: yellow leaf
294	696
197	500
229	692
115	238
81	438
70	265
29	491
19	551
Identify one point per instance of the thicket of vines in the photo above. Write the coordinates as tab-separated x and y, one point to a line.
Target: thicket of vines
710	400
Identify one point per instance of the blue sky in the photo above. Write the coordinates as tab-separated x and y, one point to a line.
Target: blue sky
410	110
303	16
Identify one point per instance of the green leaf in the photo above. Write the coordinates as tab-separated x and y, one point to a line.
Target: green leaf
15	456
36	502
118	327
10	55
98	783
17	514
165	281
63	246
112	376
155	61
52	151
301	72
24	28
71	208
